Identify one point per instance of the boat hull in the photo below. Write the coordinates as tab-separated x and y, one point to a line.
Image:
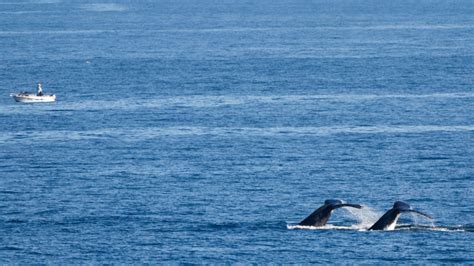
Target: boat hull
31	98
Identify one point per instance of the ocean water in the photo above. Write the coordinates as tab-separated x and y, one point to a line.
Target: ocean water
204	131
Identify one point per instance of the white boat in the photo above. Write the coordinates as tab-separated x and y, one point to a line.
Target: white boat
30	97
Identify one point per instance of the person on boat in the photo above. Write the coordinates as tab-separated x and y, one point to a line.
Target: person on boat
40	90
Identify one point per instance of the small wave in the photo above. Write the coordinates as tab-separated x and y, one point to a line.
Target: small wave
47	212
16	221
223	226
32	2
117	7
21	12
46	1
418	227
433	158
10	248
417	27
150	244
102	7
9	192
54	32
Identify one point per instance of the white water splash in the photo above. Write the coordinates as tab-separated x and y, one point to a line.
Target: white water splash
365	216
421	220
325	227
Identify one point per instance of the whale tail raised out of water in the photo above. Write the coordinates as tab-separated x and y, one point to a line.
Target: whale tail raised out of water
390	218
321	215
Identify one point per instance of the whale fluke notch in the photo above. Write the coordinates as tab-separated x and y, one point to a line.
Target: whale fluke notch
321	215
389	220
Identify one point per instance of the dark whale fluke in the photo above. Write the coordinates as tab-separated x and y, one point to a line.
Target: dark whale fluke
321	215
390	218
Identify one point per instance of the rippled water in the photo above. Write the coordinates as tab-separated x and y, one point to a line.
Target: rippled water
203	131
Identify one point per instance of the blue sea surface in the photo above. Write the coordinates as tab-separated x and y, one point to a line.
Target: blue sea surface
203	131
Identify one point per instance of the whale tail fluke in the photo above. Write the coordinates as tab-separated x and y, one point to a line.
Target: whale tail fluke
405	207
337	203
357	206
420	213
321	215
389	219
